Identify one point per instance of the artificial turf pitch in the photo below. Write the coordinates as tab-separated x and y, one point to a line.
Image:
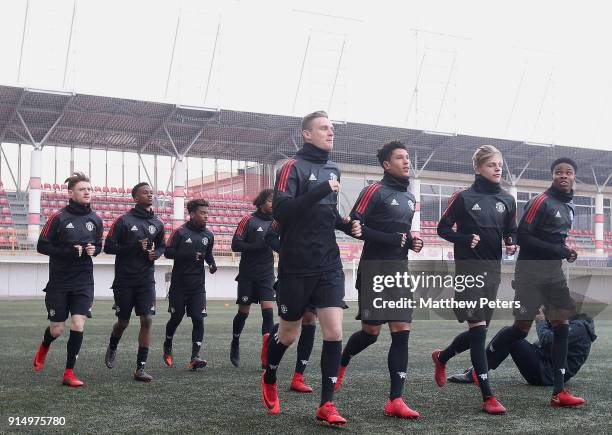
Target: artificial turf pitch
224	399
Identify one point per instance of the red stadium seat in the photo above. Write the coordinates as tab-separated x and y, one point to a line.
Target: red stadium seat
47	186
56	186
8	220
114	190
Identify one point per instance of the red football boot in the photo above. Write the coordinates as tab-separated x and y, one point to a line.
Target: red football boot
70	379
269	396
39	357
492	406
565	399
167	356
440	368
397	408
298	384
328	414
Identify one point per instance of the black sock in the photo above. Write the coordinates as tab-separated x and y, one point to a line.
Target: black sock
238	323
274	330
499	346
478	337
114	341
141	358
171	327
397	361
48	338
330	361
355	344
460	343
276	350
267	320
74	347
559	356
304	347
197	336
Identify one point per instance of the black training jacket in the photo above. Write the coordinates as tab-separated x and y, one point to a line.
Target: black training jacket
132	264
74	224
188	274
256	260
484	209
545	225
385	209
306	209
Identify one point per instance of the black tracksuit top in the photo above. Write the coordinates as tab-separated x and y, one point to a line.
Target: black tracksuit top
132	265
189	274
306	210
256	260
74	224
483	209
545	225
385	209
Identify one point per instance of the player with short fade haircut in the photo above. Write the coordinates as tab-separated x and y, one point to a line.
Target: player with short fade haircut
305	205
385	210
189	246
255	273
137	240
71	237
539	278
484	215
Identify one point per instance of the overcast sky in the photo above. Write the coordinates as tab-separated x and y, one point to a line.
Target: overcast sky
535	71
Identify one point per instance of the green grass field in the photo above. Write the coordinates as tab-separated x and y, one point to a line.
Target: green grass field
223	399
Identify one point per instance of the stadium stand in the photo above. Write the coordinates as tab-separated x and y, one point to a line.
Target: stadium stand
8	236
440	164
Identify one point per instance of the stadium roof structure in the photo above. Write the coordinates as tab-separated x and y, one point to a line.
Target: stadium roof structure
42	117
